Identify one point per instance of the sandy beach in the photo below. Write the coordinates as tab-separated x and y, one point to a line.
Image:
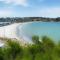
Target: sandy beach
9	31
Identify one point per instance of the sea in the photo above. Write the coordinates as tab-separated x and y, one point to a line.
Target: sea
49	29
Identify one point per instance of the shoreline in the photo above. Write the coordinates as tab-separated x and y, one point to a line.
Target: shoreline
10	31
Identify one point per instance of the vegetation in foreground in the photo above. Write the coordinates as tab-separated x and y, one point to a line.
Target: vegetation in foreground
40	50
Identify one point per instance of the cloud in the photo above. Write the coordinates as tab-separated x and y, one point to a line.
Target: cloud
5	13
15	2
50	12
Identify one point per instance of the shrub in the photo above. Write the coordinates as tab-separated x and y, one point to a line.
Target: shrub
14	49
35	39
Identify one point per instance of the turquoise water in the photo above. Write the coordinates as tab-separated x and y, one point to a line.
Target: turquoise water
50	29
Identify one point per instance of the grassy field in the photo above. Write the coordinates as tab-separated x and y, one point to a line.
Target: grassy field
46	49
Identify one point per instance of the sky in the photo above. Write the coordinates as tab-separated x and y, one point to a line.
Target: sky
30	8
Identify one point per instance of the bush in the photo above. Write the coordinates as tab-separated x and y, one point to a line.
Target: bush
45	50
14	49
35	39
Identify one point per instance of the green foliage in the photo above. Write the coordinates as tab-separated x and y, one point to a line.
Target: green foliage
14	49
45	50
48	43
1	54
35	39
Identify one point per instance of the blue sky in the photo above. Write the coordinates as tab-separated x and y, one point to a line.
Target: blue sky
30	8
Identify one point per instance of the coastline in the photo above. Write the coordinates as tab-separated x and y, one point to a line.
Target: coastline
10	31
